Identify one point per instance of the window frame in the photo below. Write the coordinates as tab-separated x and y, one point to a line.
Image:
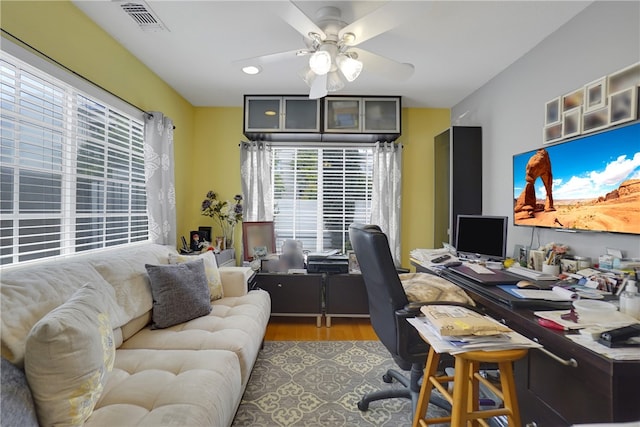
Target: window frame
322	233
75	88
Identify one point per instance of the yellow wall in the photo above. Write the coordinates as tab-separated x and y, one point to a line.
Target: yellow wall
206	139
419	126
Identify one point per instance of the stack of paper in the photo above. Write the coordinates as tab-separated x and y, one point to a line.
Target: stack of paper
461	344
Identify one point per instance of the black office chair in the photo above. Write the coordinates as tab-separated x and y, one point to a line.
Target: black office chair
389	310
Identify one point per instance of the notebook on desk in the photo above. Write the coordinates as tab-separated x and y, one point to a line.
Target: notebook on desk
493	277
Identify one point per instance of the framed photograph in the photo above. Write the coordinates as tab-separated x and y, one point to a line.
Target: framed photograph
195	241
258	239
595	120
552	112
520	255
572	122
623	105
572	100
595	95
205	233
552	133
354	267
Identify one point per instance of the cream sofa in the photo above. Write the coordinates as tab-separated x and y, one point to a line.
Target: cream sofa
82	329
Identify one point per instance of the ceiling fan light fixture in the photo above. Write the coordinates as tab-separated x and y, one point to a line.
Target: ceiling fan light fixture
320	62
335	81
307	75
350	68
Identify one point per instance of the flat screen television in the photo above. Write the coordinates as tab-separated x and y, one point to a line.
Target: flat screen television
481	237
590	183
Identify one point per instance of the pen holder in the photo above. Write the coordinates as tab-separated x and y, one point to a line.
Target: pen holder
552	269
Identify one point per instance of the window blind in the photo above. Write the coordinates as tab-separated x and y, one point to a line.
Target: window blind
319	192
71	168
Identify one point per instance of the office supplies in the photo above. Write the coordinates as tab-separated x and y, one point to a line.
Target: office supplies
440	259
621	337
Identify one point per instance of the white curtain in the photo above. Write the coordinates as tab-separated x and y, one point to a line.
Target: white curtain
255	170
387	188
158	168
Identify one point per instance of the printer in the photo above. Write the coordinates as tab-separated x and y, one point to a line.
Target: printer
327	263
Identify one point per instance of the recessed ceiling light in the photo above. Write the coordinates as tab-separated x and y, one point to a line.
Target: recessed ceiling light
252	69
269	113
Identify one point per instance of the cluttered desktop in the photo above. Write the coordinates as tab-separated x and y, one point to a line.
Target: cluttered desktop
588	328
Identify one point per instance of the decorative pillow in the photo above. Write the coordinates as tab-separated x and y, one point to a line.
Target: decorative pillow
180	293
69	354
17	406
425	287
210	269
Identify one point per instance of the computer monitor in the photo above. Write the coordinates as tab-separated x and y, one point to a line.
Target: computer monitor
481	237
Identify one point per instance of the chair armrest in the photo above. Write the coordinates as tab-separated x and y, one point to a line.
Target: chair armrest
235	280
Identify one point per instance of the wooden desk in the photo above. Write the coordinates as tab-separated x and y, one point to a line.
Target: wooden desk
566	383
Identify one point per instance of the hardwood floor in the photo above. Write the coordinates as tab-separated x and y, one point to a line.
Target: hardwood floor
305	329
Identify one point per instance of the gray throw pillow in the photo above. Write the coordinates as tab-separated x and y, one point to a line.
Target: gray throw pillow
180	293
16	406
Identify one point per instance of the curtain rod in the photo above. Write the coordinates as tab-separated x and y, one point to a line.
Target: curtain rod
50	59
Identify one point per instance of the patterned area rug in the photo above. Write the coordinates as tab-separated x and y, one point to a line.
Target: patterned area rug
319	383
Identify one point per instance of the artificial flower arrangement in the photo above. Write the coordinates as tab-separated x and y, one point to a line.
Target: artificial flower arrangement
227	214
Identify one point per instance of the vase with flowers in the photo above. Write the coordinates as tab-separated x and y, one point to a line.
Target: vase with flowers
225	213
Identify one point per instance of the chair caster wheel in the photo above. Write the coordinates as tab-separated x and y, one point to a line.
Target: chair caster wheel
387	378
363	406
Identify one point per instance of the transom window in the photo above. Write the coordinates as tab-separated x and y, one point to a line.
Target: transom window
71	168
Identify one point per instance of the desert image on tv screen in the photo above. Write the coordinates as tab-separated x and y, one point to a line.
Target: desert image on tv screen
591	183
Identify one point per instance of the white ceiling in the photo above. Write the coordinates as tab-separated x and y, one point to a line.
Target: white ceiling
455	46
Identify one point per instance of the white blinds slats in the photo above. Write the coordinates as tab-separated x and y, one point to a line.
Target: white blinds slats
319	192
72	169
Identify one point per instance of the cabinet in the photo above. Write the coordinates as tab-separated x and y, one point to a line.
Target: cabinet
345	296
281	114
293	294
458	179
369	115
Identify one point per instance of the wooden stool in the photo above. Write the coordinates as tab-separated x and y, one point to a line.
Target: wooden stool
466	381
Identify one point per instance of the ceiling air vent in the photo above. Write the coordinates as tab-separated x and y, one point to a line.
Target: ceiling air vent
142	14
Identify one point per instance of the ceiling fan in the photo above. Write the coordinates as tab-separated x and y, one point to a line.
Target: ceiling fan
331	44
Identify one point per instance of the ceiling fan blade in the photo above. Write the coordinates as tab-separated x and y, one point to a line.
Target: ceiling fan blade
318	87
384	66
295	17
387	17
271	58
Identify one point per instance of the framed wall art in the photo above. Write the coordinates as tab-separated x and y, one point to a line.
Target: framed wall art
258	239
595	95
623	105
572	122
552	111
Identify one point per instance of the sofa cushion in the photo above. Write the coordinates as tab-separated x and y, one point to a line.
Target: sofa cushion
69	353
16	405
210	269
29	293
125	270
180	293
170	388
424	287
235	324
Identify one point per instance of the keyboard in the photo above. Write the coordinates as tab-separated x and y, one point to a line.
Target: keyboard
530	274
